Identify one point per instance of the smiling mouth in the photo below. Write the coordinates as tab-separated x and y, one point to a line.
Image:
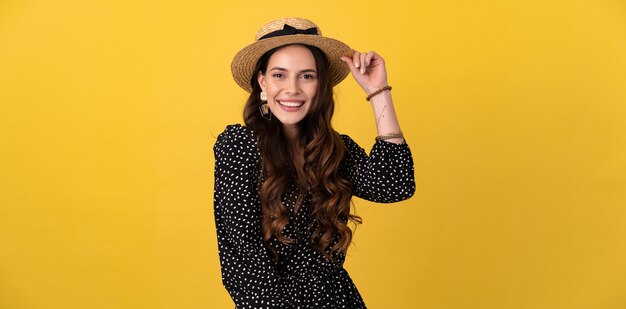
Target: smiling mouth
291	103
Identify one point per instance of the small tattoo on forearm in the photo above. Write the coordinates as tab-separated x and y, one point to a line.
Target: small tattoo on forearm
381	114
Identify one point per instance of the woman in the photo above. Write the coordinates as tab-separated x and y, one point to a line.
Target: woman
284	181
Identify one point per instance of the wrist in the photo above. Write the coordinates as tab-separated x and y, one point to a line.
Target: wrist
377	91
373	88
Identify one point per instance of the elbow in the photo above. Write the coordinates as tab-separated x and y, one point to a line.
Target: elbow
397	194
405	189
405	184
409	186
410	190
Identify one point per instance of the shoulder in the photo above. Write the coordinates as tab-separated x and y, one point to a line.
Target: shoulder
236	133
350	144
236	138
347	140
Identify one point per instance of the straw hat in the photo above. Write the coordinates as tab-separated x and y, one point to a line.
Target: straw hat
288	31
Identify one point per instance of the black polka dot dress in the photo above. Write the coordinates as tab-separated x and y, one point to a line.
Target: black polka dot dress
302	277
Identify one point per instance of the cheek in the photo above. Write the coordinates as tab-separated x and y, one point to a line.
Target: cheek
271	91
312	90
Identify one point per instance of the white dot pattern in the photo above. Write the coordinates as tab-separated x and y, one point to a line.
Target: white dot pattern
302	278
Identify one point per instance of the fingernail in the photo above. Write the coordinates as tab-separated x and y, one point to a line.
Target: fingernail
362	70
356	64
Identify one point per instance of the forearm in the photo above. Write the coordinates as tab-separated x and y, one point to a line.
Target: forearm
385	116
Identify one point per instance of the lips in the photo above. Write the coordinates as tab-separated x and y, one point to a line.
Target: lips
290	103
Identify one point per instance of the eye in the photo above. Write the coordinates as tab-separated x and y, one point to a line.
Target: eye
277	75
308	76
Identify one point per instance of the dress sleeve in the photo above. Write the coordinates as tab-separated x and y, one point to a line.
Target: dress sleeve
385	176
248	273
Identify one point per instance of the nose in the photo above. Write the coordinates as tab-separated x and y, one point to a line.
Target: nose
293	86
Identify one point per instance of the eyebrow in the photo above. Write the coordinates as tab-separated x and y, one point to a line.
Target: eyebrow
283	69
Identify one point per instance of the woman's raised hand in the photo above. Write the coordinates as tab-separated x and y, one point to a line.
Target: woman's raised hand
368	69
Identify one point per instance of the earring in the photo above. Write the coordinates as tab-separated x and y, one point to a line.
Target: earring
264	108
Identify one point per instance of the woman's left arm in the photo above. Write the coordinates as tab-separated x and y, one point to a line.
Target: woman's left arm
369	70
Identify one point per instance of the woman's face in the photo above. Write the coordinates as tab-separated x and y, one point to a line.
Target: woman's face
290	82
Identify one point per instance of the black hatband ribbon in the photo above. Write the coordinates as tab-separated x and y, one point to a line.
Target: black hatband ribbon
289	30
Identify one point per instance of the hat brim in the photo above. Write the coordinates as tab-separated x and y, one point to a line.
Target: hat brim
245	60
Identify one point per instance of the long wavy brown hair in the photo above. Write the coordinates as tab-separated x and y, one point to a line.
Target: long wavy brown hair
317	173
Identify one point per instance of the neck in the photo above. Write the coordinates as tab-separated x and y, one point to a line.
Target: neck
291	132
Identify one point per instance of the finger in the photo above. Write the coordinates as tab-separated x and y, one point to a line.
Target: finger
350	63
362	61
369	57
356	59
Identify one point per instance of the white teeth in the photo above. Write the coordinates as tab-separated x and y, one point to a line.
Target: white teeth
291	104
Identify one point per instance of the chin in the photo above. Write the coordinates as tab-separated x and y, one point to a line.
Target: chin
290	121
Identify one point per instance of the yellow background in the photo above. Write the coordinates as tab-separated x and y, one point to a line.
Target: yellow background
515	112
